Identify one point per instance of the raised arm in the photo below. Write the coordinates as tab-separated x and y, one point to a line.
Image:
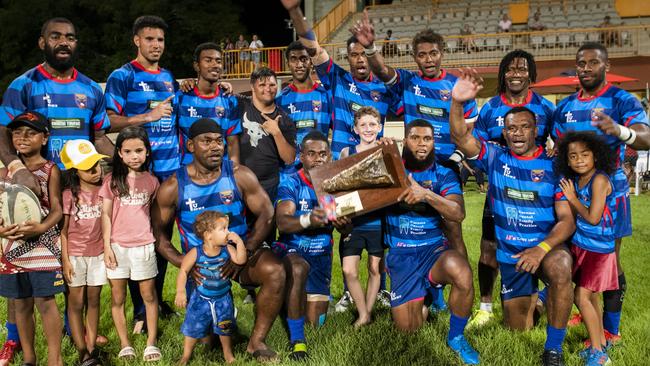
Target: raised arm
305	33
162	214
257	202
365	34
466	88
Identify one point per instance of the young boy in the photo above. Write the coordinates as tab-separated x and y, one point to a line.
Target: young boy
30	264
210	302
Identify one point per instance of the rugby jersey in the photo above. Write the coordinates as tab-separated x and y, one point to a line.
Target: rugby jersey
489	125
573	113
419	225
430	99
213	285
596	238
298	189
133	90
191	106
73	107
221	195
348	95
522	193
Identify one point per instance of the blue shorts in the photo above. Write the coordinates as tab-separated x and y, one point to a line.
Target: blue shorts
516	284
320	268
623	224
31	284
409	270
204	313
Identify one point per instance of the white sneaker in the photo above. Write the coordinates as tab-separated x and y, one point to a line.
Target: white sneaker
383	298
344	302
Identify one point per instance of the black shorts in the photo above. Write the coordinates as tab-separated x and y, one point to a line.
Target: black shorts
358	240
488	221
31	284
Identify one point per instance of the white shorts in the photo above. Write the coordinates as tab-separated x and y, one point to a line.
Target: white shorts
136	263
88	271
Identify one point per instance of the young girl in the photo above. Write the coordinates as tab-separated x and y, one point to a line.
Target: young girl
82	242
367	232
129	251
30	264
211	309
586	162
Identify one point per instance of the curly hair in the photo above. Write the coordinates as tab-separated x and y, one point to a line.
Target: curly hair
206	221
507	60
604	157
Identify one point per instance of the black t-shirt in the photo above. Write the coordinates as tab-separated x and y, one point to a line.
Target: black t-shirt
258	150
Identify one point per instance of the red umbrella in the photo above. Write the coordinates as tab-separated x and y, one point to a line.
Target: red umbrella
573	80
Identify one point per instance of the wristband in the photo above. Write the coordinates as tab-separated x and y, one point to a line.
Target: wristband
15	166
627	135
457	156
370	51
544	245
392	81
304	220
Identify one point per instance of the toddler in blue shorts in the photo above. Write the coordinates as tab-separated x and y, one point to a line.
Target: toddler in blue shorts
210	309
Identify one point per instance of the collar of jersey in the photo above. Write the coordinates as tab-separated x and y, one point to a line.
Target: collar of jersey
42	70
601	92
537	153
443	73
529	97
139	66
295	88
198	93
303	177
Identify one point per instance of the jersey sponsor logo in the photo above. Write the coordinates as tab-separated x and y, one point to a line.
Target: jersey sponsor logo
394	296
292	108
316	106
353	88
193	205
48	100
162	125
507	172
537	175
505	290
519	195
66	123
169	86
445	94
596	110
306	123
512	215
192	111
253	129
145	86
500	121
375	95
227	197
55	146
220	111
417	91
436	112
152	103
404	225
569	117
354	106
81	100
304	205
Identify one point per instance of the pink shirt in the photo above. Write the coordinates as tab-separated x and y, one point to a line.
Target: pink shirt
131	219
85	223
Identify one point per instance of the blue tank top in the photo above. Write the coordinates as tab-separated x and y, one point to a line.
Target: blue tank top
367	222
596	238
221	195
210	267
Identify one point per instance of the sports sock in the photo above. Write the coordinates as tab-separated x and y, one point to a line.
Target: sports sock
542	295
382	281
456	326
612	306
296	329
486	306
321	319
554	338
486	279
12	332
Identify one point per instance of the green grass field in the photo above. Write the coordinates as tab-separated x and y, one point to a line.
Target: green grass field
337	343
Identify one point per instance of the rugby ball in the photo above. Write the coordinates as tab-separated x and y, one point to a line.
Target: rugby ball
18	204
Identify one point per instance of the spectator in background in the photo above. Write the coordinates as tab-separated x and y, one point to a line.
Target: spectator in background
229	60
467	42
467	168
609	36
505	23
255	44
244	56
389	48
536	23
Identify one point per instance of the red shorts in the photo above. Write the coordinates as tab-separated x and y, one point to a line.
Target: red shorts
594	271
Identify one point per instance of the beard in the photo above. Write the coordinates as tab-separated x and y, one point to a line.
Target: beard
56	64
413	164
594	83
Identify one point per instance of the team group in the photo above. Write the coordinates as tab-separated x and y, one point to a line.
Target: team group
231	171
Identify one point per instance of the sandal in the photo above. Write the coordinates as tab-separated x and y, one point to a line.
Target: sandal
126	353
151	354
91	361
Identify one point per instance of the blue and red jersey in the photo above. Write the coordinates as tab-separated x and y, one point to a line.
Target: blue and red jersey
74	107
191	106
309	109
522	194
348	95
430	99
133	90
420	225
598	238
489	125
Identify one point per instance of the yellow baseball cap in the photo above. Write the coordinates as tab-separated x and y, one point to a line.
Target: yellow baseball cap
80	154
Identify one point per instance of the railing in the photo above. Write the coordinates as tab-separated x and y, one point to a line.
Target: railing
330	22
472	50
